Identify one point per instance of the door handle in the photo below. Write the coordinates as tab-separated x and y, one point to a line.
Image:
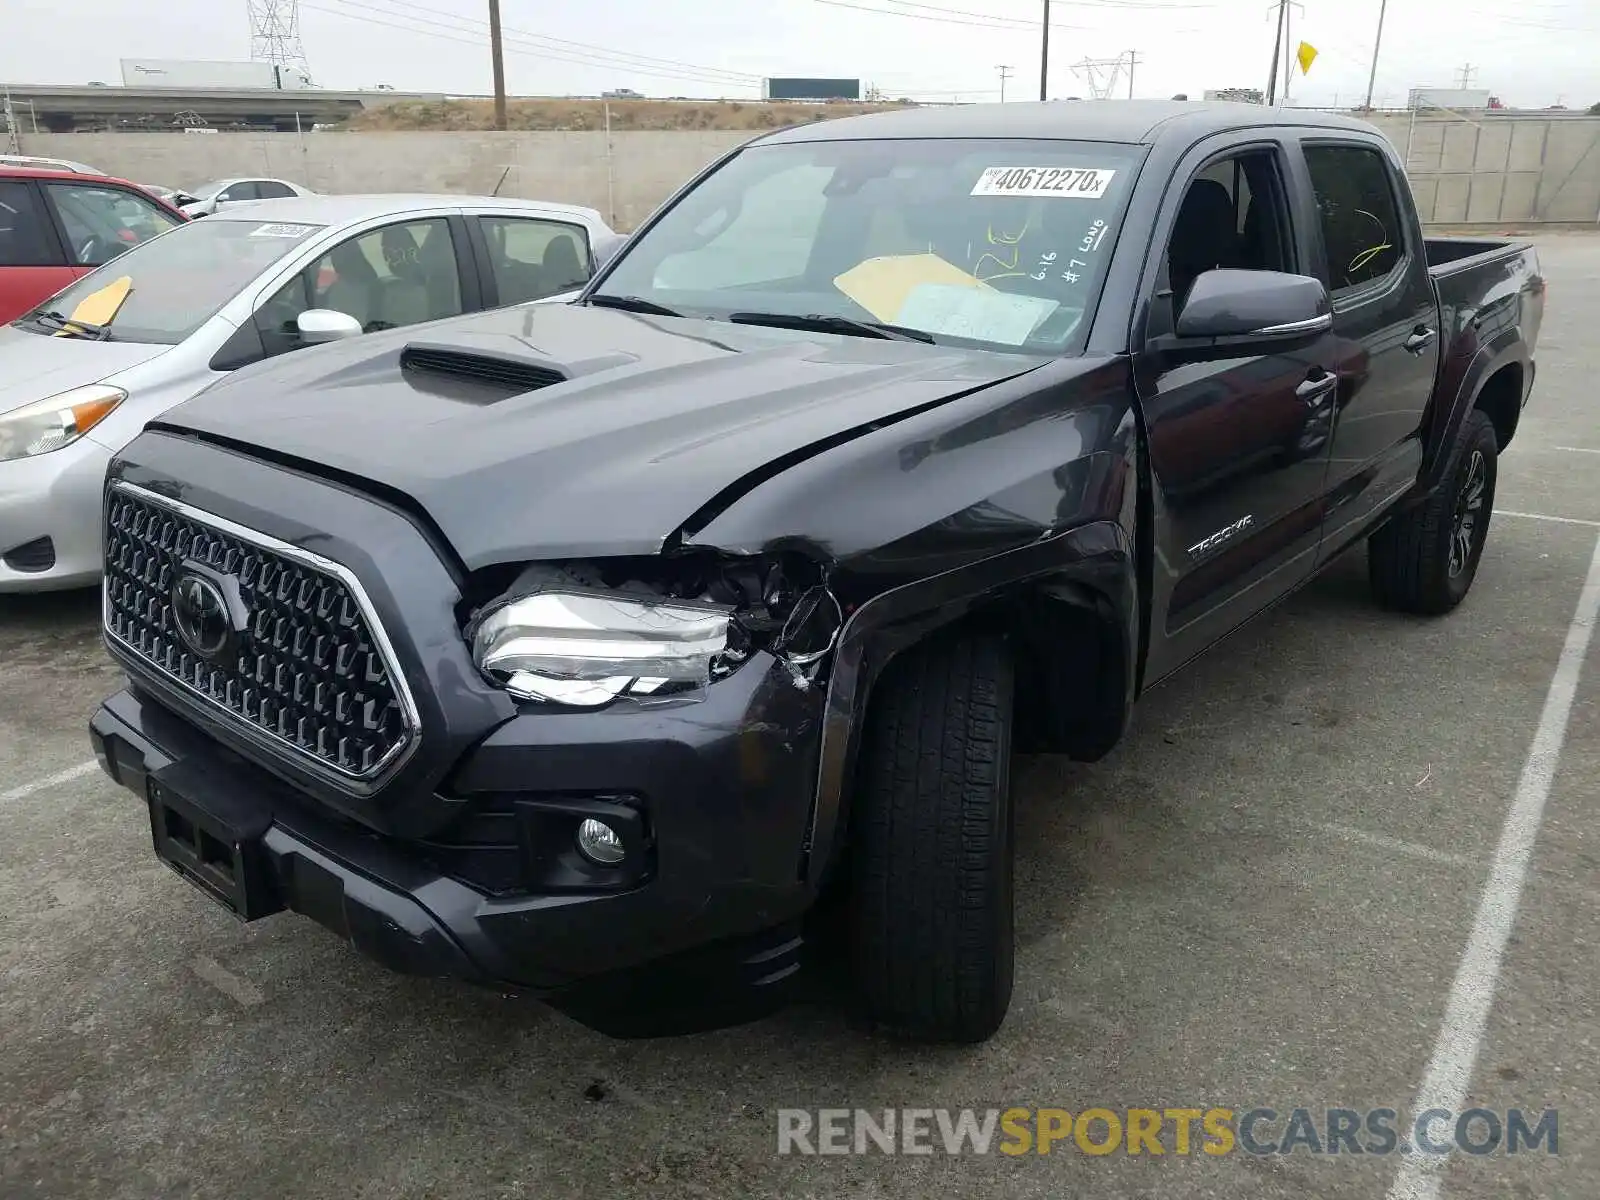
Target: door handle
1317	389
1421	338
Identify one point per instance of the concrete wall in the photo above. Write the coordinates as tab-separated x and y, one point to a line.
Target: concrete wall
1521	169
1518	170
640	170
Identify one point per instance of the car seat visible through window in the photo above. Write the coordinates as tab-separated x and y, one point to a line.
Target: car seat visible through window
1204	236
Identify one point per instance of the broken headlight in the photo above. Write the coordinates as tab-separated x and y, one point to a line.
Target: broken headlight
581	634
585	650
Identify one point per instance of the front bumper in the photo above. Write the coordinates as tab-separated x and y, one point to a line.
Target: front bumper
54	496
700	916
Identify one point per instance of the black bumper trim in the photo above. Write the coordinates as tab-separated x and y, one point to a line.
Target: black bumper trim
721	948
379	918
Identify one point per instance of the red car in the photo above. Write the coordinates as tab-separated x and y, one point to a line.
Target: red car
58	225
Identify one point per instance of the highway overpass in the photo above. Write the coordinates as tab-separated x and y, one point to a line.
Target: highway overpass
51	108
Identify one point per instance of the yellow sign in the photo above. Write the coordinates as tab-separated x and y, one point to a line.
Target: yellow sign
881	285
1307	55
97	308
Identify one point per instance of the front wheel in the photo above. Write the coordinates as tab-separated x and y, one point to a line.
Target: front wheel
1424	560
932	842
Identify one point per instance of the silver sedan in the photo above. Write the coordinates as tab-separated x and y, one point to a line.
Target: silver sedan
83	372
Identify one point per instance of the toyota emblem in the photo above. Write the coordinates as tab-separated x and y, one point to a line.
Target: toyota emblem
200	612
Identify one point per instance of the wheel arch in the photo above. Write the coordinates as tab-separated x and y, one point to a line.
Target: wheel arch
1496	380
1068	601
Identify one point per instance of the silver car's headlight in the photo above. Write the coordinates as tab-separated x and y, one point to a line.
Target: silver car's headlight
585	650
56	421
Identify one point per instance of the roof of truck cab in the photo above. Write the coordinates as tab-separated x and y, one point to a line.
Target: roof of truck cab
345	209
1126	121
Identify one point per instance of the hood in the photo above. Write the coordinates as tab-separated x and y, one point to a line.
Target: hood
656	420
36	365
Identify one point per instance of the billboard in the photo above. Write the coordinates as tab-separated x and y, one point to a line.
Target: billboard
795	88
1457	98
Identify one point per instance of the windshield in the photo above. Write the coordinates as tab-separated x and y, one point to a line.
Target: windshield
995	243
206	190
178	280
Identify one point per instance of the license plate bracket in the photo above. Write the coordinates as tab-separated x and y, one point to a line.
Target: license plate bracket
222	858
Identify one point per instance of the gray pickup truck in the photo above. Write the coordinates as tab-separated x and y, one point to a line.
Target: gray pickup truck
587	648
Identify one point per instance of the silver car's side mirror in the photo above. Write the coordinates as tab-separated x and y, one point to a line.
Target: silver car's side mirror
326	325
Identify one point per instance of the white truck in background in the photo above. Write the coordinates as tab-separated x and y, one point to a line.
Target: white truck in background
198	73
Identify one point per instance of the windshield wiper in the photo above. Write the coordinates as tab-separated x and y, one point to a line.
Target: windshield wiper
88	329
636	304
831	324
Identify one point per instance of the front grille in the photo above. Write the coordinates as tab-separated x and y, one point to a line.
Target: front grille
308	668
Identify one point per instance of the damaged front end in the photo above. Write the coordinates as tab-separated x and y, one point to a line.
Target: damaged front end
652	630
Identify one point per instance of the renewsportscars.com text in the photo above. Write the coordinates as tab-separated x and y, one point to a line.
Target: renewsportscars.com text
1211	1131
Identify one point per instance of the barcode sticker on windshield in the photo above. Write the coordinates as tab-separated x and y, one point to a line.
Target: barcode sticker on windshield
1078	183
281	231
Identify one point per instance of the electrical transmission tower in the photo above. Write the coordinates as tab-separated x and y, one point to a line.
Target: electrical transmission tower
1101	74
275	33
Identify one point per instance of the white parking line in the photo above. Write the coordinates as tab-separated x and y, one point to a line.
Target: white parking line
1577	449
1455	1051
1506	512
49	781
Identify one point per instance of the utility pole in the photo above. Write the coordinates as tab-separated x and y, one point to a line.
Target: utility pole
1376	42
1289	56
1005	73
1466	76
1277	45
1133	59
499	65
1044	54
1288	49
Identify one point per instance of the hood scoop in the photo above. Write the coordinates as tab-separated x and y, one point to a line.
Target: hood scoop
514	374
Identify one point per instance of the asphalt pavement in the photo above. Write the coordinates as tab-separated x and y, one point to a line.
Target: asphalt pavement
1346	856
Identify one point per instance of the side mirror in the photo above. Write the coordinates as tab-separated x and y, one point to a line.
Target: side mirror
326	325
1252	305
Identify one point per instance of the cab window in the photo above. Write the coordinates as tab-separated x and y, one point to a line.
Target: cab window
1360	219
1232	216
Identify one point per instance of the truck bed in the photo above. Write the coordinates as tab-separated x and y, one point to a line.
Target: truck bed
1448	255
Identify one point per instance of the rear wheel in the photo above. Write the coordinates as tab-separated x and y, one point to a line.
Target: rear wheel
1424	560
931	856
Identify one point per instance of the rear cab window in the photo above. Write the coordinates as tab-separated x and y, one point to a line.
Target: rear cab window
996	243
1363	234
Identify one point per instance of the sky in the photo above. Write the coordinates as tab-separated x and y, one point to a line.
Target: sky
1530	54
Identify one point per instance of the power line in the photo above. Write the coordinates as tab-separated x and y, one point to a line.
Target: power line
588	48
914	16
959	16
524	44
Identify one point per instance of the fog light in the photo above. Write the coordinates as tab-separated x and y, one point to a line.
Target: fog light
600	843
